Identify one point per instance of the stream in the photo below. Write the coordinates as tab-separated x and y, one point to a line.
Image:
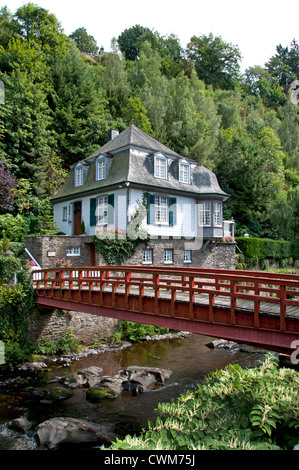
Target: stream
188	358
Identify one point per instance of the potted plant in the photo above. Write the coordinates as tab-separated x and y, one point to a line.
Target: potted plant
82	228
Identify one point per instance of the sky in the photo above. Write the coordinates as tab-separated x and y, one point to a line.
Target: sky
255	26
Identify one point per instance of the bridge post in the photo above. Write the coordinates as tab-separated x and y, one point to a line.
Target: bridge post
191	297
283	307
127	288
257	305
233	302
156	279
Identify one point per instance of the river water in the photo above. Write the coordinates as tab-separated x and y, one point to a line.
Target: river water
188	358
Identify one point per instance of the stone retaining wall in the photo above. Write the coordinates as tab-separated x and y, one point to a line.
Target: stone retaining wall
47	249
56	323
215	255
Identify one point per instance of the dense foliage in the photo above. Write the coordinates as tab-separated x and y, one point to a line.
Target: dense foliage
62	97
130	331
234	409
257	250
16	307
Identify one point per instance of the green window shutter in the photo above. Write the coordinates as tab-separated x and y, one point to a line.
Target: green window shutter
92	213
172	210
150	209
111	209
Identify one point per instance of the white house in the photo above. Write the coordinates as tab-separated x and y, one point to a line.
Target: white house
183	199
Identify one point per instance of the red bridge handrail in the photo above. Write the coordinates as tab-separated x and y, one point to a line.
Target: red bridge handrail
256	307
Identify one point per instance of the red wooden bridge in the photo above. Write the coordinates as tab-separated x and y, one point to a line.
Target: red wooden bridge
257	308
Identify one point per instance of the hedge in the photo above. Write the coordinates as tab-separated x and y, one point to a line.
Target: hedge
264	248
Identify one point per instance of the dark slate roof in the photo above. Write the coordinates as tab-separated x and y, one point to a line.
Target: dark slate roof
133	137
125	163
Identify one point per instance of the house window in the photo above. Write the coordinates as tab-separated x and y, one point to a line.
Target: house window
168	256
217	213
73	251
147	256
64	213
160	167
102	210
187	256
184	173
79	176
161	209
101	169
204	213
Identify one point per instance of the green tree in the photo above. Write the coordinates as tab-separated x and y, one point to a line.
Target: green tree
260	81
284	215
136	112
284	65
115	82
79	108
84	41
250	169
215	61
6	26
26	120
36	24
129	41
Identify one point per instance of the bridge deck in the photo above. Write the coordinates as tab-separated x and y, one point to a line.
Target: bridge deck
202	299
259	307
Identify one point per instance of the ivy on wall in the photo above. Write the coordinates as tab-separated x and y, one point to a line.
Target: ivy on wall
116	246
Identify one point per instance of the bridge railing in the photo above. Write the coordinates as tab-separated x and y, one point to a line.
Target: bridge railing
227	287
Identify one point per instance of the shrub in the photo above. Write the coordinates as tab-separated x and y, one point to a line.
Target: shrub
67	343
15	228
258	249
130	331
254	409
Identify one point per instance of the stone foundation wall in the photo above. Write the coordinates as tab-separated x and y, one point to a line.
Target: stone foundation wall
215	255
56	323
47	249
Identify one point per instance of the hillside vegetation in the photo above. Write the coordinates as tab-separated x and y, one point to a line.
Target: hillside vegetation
62	97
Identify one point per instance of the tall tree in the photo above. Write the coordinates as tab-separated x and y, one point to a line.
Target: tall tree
36	24
216	62
129	41
84	41
260	82
284	65
79	108
25	115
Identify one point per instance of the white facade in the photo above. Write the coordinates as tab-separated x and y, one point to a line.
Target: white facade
126	201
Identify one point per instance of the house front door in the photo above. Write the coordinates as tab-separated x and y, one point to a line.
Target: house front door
77	217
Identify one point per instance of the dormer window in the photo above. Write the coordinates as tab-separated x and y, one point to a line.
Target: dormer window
160	166
184	172
101	168
79	175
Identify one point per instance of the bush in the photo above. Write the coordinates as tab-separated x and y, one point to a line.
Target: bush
15	228
255	250
68	343
130	331
16	306
254	409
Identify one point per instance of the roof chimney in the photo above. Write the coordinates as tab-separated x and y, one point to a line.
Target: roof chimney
112	134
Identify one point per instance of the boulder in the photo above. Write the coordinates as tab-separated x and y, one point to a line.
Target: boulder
88	377
57	431
19	424
134	378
